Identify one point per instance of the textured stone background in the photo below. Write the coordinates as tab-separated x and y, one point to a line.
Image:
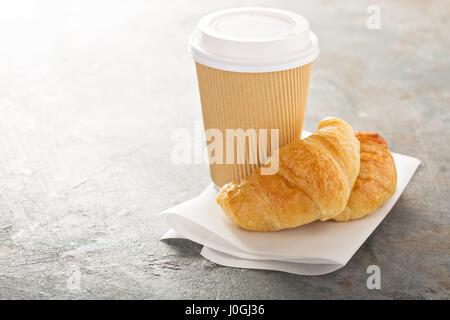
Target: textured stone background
90	94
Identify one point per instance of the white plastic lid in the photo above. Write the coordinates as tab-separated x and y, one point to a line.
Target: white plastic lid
253	40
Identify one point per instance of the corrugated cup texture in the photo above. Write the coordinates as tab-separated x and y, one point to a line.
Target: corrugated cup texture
237	100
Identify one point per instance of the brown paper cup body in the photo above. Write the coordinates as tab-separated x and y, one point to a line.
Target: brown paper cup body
239	100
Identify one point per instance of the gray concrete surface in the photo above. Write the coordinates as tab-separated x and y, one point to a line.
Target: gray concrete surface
90	94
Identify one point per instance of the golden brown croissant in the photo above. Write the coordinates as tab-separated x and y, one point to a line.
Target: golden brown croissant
377	179
314	181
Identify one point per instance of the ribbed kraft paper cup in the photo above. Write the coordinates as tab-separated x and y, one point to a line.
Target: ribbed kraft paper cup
269	100
253	68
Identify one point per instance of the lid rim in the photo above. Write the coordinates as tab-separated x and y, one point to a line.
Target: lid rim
218	62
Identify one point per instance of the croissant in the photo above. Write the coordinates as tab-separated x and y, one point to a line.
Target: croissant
314	181
377	179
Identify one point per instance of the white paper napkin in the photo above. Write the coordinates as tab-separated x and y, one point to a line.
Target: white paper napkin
312	249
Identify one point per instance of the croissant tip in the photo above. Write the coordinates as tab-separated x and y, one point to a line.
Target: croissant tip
375	137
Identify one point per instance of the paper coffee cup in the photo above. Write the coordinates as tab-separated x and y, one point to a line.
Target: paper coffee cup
253	68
